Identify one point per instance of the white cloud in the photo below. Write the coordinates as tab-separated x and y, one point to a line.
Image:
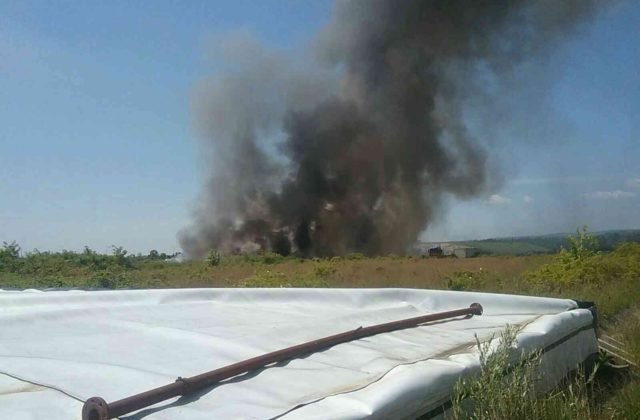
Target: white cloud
527	199
634	183
610	195
498	200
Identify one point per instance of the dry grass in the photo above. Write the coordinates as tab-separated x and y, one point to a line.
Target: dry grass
370	272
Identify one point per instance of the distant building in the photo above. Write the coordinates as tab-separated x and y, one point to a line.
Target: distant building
465	251
443	249
459	251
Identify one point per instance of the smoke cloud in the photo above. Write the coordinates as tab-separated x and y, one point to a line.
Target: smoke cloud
352	145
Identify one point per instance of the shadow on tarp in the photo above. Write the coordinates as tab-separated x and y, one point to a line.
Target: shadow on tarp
195	396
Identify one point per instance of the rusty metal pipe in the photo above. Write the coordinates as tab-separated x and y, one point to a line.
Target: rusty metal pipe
96	408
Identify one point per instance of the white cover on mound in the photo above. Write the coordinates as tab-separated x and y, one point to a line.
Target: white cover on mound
58	348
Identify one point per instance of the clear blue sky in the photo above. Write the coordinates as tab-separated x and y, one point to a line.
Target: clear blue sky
97	146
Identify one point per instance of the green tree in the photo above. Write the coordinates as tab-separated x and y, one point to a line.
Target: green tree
120	256
582	245
10	250
9	256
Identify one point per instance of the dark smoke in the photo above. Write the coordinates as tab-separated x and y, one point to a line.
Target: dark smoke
356	151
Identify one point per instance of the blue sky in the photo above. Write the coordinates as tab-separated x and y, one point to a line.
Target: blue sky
97	146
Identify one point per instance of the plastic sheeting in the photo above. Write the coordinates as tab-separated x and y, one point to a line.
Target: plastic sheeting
58	348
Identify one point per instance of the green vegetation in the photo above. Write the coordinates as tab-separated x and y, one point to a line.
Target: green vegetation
87	269
214	258
317	277
494	394
508	387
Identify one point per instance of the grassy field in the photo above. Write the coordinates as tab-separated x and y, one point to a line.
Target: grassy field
610	279
336	272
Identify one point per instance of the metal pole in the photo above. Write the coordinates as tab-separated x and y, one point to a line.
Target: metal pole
96	408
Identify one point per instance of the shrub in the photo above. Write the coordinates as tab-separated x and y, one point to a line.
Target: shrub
266	278
90	259
214	258
10	250
580	267
109	279
354	256
582	245
317	277
270	258
507	387
120	256
9	256
471	280
323	270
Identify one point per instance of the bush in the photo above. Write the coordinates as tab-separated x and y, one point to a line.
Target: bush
120	256
317	277
354	256
579	267
322	270
90	259
109	279
214	258
266	278
9	256
271	258
582	245
471	280
10	250
507	387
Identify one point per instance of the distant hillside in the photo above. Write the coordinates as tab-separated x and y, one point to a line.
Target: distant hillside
545	244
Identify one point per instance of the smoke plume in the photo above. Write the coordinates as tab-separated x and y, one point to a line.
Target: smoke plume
351	145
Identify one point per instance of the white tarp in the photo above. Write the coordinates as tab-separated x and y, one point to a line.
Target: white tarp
58	348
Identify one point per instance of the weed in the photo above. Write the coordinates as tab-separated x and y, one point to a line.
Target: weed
354	256
508	388
323	269
214	258
266	278
109	279
473	280
465	280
